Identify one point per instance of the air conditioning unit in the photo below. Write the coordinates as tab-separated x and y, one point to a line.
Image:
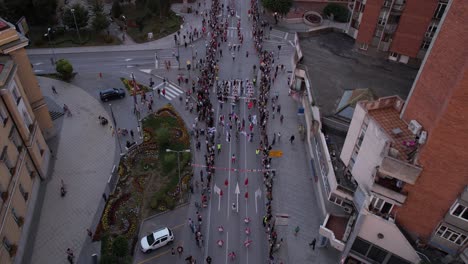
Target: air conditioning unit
348	209
422	137
414	127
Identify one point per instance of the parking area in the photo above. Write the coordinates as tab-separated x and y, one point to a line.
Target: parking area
175	220
334	65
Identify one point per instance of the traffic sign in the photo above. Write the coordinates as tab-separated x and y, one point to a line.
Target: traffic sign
275	153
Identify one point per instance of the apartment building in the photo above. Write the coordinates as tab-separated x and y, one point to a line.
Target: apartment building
407	161
24	154
400	30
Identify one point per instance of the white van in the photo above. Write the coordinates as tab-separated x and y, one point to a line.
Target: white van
157	239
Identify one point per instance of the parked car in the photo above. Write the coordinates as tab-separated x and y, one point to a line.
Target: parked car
112	93
157	239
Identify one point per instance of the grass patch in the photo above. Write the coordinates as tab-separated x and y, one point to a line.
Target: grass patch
160	27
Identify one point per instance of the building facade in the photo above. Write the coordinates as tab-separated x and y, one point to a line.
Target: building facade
400	30
24	154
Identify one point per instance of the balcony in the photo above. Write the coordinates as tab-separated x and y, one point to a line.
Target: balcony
390	28
400	170
334	228
397	8
389	188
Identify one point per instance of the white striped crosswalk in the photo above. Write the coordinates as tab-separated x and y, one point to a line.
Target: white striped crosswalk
232	33
171	90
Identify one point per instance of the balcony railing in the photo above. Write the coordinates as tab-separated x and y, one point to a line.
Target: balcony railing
400	170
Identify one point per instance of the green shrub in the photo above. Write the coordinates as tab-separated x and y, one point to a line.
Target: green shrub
120	247
65	69
340	12
39	42
108	259
169	162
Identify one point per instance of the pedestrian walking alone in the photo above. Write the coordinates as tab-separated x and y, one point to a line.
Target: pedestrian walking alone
312	244
233	159
54	91
296	230
291	139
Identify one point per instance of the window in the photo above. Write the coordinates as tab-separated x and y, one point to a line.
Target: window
353	159
377	254
451	235
16	94
163	239
29	169
431	30
394	55
440	10
460	211
14	137
41	150
360	246
23	192
334	199
381	205
4	158
364	46
425	44
15	216
3	115
382	18
7	244
394	259
27	120
361	135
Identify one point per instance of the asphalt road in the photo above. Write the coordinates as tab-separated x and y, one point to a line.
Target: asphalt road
219	211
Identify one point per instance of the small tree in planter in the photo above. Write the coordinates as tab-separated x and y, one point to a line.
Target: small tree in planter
65	69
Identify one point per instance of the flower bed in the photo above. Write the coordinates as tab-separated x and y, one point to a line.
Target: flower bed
129	86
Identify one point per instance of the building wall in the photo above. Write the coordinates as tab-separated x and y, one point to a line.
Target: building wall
369	156
353	133
414	22
369	21
392	241
439	102
33	92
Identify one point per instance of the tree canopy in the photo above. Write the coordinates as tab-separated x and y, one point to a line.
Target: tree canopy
340	12
280	6
33	10
81	15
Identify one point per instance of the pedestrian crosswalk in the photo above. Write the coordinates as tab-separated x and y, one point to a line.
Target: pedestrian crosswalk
165	58
232	33
168	90
286	47
278	34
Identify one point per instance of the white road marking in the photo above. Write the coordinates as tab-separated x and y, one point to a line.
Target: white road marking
146	70
38	70
130	66
38	63
128	59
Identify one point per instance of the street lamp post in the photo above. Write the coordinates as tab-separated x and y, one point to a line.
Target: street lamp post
178	165
76	25
53	59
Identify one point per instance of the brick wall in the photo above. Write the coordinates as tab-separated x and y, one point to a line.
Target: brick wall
439	102
414	22
369	21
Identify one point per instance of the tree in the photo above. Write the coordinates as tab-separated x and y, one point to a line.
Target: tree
98	7
65	69
44	10
280	6
116	9
340	12
100	22
81	15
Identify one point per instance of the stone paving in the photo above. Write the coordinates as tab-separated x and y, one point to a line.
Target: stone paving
83	159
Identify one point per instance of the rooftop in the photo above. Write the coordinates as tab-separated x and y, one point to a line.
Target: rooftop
386	112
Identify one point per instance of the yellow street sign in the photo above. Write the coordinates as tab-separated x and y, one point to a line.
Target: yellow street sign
275	153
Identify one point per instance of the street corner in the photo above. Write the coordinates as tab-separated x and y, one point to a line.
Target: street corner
175	221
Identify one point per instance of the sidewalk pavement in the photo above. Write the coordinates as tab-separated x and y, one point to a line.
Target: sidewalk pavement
84	159
294	193
129	45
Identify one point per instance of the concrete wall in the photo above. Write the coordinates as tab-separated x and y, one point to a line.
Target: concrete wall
393	240
353	133
369	156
